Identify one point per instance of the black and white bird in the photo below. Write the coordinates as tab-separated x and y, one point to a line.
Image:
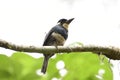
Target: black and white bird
56	37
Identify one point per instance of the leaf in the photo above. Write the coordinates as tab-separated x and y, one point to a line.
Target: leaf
80	66
5	67
28	63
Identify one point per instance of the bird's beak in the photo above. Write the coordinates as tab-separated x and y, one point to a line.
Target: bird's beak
69	21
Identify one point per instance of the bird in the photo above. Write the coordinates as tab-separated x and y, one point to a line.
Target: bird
55	37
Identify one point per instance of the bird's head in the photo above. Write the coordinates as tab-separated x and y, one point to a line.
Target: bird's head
65	22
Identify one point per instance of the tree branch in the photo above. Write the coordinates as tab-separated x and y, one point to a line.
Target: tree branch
110	52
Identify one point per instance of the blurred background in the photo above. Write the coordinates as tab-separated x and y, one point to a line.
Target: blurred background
26	22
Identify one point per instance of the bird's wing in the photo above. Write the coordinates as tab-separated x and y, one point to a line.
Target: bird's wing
48	36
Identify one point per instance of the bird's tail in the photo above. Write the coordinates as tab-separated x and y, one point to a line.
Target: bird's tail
45	64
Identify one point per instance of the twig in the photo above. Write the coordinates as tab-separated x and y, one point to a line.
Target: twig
110	52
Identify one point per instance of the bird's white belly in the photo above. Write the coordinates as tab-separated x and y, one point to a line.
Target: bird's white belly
59	38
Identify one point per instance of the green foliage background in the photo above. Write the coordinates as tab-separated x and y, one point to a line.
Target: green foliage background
79	66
